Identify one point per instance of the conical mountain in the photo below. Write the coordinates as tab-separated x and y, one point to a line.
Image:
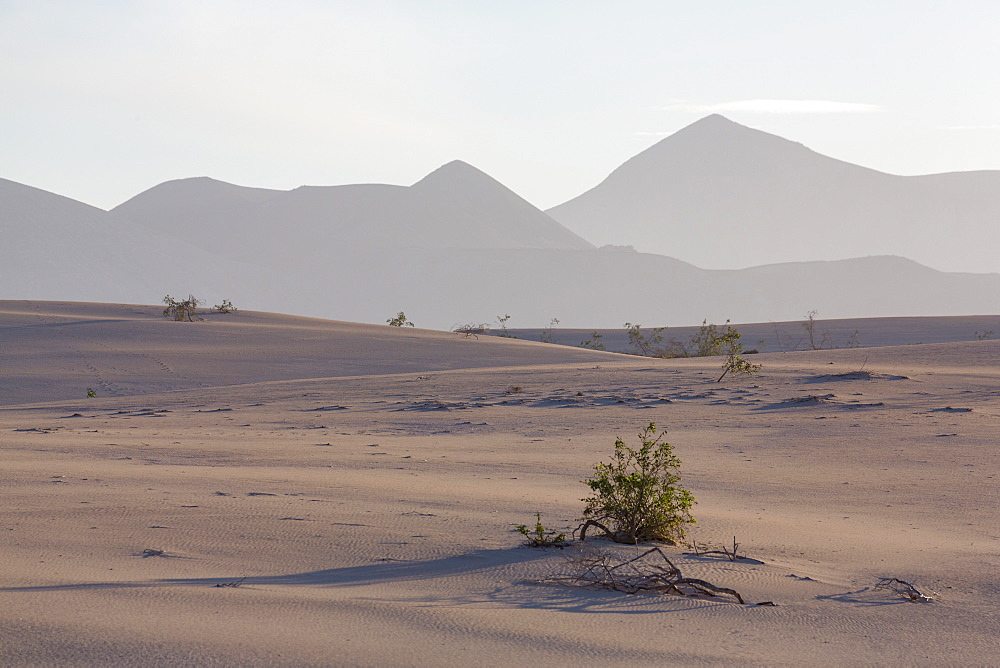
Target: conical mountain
493	215
722	195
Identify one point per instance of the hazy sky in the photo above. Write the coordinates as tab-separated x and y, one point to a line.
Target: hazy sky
100	100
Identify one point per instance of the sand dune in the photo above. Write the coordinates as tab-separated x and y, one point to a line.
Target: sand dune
363	513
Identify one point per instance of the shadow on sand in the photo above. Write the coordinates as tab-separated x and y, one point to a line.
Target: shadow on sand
521	593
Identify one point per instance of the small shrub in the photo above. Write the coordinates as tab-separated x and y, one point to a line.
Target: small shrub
809	324
645	345
472	329
186	309
594	342
708	341
399	320
225	307
636	496
734	362
91	393
502	319
546	335
540	536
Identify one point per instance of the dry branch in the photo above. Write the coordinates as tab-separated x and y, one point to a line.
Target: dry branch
732	556
601	570
903	588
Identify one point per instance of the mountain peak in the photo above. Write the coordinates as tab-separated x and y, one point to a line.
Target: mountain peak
457	172
470	194
717	129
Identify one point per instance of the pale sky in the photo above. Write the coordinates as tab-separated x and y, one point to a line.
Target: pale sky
100	100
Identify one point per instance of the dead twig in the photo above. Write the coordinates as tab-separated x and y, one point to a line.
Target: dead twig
903	588
734	555
234	583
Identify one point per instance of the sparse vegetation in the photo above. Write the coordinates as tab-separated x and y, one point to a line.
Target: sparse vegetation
225	307
733	349
903	588
472	329
817	340
399	320
731	555
91	393
502	319
600	569
710	340
186	309
594	342
636	497
645	345
707	341
546	335
540	536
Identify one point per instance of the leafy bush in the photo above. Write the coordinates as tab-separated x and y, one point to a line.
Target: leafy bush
733	349
186	309
708	341
399	321
636	496
643	344
225	307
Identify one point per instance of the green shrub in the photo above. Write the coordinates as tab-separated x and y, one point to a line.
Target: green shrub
733	349
540	536
399	321
645	345
594	342
502	319
636	496
186	309
225	307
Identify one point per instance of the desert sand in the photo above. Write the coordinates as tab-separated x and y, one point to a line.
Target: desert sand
257	489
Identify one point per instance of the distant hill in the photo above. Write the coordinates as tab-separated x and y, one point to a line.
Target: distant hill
455	247
456	206
58	248
722	195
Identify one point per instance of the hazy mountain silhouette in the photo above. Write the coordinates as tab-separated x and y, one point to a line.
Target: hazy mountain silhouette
455	247
58	248
722	195
456	206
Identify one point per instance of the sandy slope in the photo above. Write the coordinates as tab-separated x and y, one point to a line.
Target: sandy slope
371	514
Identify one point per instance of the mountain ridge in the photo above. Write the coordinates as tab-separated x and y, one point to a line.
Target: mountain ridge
774	200
454	247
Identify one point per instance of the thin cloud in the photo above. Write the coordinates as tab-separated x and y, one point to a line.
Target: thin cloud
780	107
970	127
